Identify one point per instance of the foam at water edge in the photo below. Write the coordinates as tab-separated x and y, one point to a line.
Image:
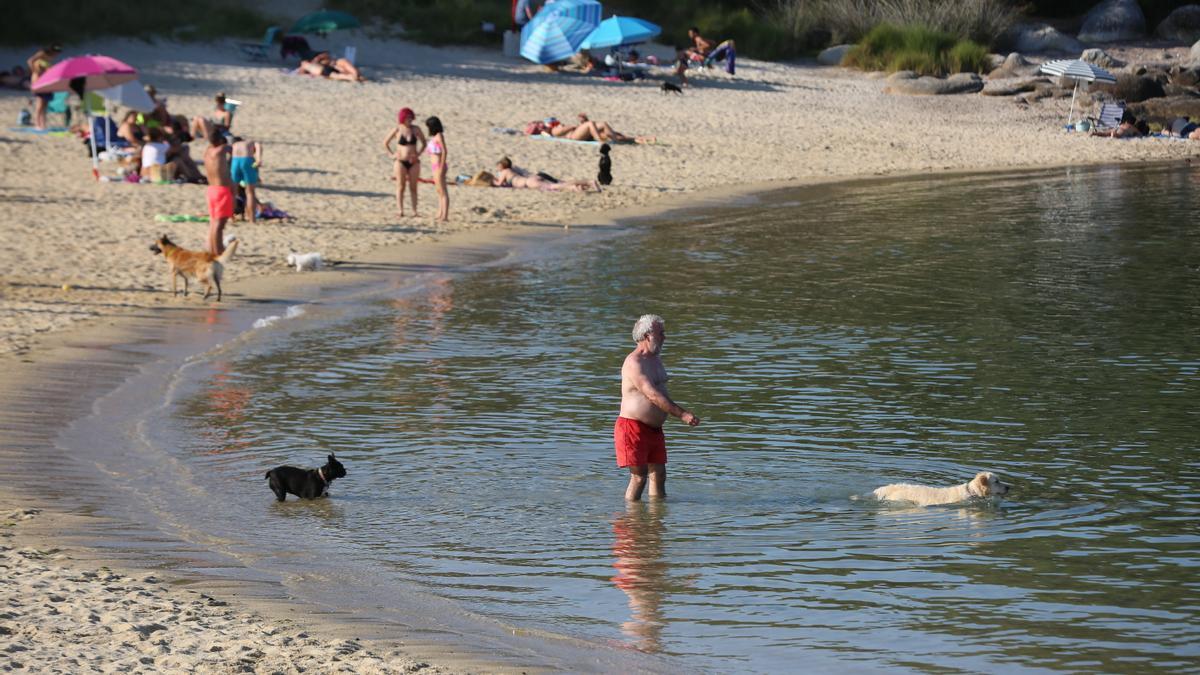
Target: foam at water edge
292	312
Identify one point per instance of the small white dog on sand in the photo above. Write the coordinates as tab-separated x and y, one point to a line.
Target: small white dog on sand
984	484
305	261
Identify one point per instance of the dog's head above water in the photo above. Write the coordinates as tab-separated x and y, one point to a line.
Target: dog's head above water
333	469
984	484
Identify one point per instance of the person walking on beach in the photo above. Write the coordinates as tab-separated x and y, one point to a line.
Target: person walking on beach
410	143
645	405
39	63
220	190
243	170
438	164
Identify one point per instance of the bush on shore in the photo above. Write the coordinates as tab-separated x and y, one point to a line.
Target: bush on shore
841	21
73	21
922	50
444	22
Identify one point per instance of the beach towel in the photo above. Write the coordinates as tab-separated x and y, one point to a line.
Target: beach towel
180	218
48	131
269	212
545	137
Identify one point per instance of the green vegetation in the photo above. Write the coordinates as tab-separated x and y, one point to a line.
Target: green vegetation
924	51
841	21
435	22
73	21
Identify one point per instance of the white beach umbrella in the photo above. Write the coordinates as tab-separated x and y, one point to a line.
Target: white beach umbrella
1080	71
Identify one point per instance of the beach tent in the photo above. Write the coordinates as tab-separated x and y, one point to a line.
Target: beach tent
1080	71
619	31
82	74
556	32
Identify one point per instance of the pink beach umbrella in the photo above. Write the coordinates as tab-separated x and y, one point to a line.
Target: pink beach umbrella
81	74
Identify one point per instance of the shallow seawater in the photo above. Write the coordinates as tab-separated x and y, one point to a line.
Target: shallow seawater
1044	326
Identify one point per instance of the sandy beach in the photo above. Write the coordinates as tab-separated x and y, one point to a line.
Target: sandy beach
77	261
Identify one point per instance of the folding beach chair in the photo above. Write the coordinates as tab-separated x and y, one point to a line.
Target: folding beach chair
257	51
1109	116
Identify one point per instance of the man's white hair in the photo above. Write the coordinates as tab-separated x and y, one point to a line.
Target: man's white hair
645	324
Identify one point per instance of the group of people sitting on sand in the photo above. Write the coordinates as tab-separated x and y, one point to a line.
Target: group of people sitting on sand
158	141
1132	127
585	130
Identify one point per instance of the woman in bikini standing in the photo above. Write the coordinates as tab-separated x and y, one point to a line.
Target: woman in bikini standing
410	143
438	164
39	63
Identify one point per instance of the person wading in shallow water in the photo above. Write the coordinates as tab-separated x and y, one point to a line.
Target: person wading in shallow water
645	405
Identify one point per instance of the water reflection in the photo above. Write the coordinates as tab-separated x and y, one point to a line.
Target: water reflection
641	571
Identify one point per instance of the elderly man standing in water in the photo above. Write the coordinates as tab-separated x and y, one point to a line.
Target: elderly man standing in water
645	405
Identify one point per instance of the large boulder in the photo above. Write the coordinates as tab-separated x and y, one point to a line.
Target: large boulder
1100	58
1011	86
1014	65
1133	88
1194	55
1182	25
1163	110
1042	38
1113	20
833	56
1182	76
959	83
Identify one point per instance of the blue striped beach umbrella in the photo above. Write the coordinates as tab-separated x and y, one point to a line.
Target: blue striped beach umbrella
558	29
618	31
1079	71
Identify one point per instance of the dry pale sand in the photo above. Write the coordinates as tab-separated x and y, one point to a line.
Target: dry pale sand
61	615
76	251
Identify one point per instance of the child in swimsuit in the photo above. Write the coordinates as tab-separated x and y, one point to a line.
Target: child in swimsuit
410	143
439	164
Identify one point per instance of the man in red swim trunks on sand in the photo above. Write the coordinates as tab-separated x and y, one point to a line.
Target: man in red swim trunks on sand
220	189
645	405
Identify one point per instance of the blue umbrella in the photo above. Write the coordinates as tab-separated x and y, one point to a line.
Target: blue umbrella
555	33
617	31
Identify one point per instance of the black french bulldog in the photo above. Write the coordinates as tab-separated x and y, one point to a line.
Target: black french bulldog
605	175
305	483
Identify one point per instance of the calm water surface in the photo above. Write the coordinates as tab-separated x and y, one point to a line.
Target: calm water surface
1045	326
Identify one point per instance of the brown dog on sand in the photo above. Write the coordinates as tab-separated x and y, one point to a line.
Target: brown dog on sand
203	266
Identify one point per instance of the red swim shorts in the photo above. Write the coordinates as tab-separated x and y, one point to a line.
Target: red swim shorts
220	201
639	443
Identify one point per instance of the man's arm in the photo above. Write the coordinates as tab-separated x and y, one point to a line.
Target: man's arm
658	396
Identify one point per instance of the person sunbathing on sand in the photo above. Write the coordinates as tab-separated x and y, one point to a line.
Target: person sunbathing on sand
322	65
508	175
586	130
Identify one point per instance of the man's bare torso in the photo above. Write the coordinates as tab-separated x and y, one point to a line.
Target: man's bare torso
634	404
216	166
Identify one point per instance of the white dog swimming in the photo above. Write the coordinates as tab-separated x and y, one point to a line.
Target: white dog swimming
984	484
305	261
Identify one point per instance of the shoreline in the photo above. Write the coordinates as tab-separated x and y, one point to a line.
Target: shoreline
65	371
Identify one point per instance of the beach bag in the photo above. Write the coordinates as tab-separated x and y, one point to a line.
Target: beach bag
24	119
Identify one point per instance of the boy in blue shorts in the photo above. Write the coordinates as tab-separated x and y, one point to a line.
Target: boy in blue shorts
243	169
